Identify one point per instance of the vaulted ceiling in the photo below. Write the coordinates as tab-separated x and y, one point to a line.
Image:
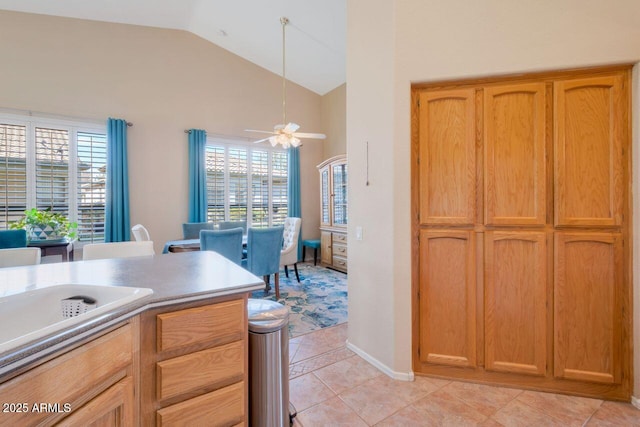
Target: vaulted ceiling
315	36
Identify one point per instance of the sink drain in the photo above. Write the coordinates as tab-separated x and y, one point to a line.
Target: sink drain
76	305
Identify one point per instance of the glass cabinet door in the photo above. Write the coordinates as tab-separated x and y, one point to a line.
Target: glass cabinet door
324	198
340	194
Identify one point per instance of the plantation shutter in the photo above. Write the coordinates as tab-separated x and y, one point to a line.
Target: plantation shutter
215	164
238	186
91	180
13	173
52	170
279	173
260	188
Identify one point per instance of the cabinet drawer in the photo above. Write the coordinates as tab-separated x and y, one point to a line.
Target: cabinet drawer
340	250
199	370
340	263
219	408
339	238
67	378
219	323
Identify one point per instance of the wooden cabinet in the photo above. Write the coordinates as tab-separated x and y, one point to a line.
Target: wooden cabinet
90	385
194	364
333	213
521	231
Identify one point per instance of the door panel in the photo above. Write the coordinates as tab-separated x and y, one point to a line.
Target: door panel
447	298
589	131
514	125
447	157
587	306
515	304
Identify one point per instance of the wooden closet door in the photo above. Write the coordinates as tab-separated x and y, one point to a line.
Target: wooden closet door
447	301
588	306
514	138
447	160
516	303
590	120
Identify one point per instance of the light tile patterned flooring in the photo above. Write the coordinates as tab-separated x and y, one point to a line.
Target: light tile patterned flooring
332	386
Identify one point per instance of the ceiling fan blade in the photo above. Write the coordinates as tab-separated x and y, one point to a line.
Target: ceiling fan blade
291	128
310	135
260	131
261	140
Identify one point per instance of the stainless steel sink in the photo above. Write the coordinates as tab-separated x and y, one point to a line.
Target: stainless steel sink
31	315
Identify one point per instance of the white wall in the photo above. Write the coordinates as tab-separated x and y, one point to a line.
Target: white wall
391	44
164	81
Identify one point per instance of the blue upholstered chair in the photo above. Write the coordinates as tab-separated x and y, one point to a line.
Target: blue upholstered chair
13	239
263	254
227	243
226	225
191	230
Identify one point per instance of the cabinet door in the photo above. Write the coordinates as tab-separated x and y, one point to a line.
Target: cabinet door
514	126
447	157
339	194
589	134
325	197
588	311
447	298
326	253
515	302
113	407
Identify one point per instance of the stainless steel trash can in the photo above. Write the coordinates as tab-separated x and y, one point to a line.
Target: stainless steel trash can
268	363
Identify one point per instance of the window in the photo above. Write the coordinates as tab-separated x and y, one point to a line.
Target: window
61	165
246	182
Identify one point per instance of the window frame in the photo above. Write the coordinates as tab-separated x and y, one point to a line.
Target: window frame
72	127
230	144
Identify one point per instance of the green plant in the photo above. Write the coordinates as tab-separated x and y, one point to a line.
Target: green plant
52	223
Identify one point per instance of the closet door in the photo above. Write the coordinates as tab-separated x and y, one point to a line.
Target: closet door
516	303
447	300
514	137
588	306
590	118
447	160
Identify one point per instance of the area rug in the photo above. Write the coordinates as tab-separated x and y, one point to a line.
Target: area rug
318	301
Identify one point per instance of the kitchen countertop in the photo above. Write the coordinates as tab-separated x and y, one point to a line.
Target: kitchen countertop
174	278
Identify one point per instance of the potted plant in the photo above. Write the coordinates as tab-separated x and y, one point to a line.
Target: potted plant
46	225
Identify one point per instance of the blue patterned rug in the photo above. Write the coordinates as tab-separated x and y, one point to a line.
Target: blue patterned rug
318	301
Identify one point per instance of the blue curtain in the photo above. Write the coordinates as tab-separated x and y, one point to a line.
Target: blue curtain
197	176
293	190
116	227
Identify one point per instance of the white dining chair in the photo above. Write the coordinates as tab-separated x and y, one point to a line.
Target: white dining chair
289	252
140	233
15	257
117	250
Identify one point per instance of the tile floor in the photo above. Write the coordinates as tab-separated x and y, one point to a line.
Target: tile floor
332	386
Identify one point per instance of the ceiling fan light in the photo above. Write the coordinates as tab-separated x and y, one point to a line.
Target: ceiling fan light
295	141
273	140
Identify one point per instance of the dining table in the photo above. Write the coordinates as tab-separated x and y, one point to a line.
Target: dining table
186	245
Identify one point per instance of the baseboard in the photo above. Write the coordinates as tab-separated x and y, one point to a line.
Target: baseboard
635	402
402	376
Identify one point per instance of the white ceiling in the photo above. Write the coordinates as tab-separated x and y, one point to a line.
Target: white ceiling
315	37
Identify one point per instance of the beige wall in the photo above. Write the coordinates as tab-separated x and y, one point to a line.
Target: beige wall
334	121
391	44
164	81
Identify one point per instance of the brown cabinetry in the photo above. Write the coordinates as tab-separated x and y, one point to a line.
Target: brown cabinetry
520	193
194	364
90	385
333	213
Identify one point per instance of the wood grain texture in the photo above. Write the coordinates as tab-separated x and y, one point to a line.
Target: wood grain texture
514	126
587	306
515	291
447	297
222	407
447	160
326	253
589	134
204	369
221	322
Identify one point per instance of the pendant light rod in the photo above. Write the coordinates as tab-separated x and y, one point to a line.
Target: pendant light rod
284	21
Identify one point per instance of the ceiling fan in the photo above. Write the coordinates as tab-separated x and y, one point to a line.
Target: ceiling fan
285	134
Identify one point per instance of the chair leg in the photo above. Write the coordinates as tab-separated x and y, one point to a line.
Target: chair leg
295	267
277	282
267	286
315	256
286	271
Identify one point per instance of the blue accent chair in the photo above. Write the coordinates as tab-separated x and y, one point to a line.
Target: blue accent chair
263	254
13	239
191	230
227	243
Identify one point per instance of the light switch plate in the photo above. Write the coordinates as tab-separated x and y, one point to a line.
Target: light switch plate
358	233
